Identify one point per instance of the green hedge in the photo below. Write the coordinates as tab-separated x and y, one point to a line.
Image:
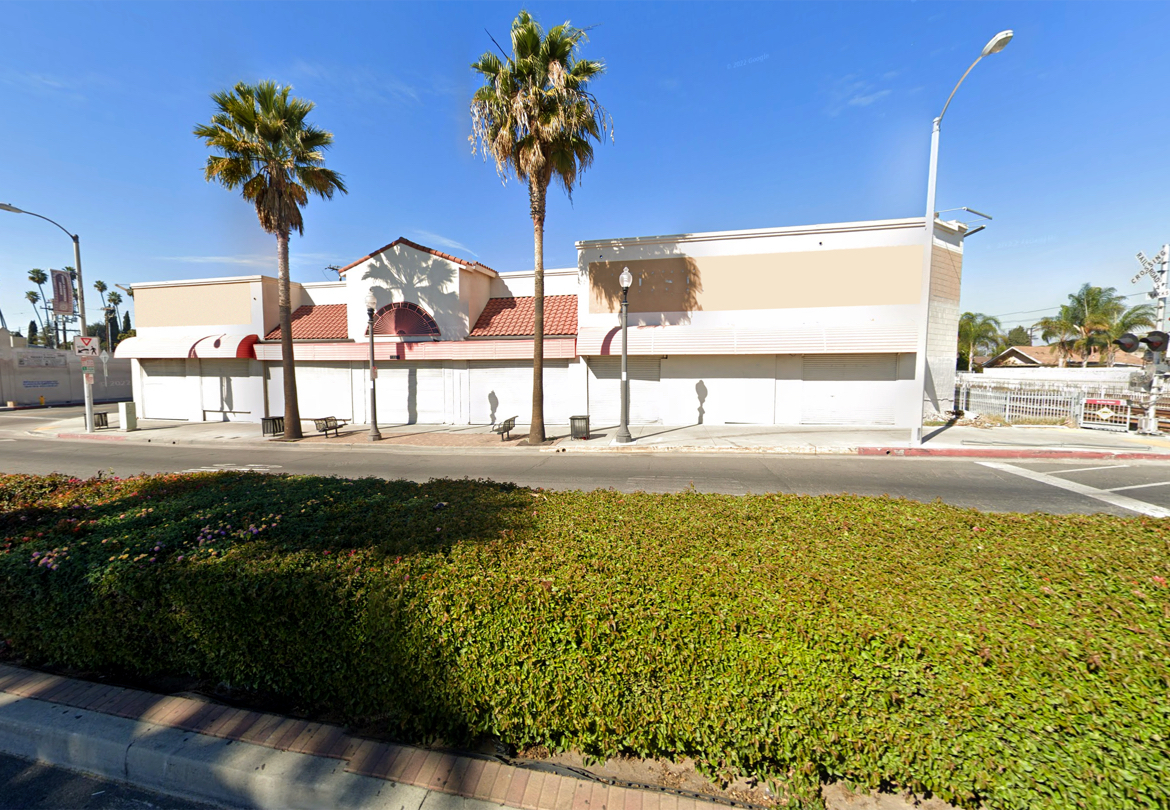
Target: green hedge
1008	661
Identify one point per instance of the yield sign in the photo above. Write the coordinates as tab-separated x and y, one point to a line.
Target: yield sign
85	346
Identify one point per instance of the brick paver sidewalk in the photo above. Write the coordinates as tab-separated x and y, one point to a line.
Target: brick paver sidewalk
470	777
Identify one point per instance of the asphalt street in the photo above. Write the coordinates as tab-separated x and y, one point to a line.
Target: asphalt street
1072	486
27	785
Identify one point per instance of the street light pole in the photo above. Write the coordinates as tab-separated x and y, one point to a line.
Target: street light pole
995	45
88	389
623	434
375	436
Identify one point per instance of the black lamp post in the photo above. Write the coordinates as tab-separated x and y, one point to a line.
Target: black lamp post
372	302
623	434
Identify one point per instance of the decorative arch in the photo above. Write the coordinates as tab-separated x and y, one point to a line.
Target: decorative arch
404	319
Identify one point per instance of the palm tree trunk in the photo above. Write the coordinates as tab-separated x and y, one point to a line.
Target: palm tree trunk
537	193
971	357
292	412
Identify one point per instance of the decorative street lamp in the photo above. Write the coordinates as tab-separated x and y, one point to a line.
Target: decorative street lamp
996	44
371	303
623	434
86	387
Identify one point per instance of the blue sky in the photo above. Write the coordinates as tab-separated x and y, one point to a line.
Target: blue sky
726	116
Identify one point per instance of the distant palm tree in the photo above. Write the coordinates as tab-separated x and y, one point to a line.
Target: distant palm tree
978	331
1081	324
264	146
115	300
1141	316
34	298
536	118
40	278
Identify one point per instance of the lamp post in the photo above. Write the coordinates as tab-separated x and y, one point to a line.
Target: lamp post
995	45
623	434
12	209
371	303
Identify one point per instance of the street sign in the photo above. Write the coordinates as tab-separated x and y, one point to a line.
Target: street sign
88	365
89	379
105	358
86	346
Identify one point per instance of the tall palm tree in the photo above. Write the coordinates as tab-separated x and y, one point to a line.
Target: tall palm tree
1080	324
34	298
40	278
978	331
115	300
264	146
535	117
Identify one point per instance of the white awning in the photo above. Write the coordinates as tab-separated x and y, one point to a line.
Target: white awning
183	346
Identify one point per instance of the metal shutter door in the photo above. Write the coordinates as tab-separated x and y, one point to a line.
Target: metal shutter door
223	381
324	389
165	391
411	393
849	389
605	390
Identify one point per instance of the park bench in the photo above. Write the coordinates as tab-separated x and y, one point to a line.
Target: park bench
505	428
328	423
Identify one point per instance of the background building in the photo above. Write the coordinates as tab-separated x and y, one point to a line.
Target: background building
809	325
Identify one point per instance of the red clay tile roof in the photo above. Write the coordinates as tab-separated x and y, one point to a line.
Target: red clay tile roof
404	241
316	322
516	317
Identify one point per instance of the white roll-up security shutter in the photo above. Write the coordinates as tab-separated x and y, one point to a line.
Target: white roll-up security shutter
849	389
324	389
411	393
501	389
224	397
605	391
165	391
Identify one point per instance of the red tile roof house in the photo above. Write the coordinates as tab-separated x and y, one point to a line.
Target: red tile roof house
849	323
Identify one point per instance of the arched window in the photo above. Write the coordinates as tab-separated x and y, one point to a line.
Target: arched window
404	319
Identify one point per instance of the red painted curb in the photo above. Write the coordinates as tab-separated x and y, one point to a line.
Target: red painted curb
92	437
959	452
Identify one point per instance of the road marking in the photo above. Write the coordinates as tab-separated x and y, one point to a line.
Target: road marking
1132	504
1139	486
235	468
1090	469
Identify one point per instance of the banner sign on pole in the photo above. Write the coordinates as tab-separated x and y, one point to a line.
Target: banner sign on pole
62	292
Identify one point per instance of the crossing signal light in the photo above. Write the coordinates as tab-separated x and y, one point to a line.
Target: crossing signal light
1156	341
1127	342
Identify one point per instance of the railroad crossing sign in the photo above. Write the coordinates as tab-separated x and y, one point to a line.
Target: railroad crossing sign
85	346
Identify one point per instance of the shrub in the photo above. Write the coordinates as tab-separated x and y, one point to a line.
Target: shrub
1008	661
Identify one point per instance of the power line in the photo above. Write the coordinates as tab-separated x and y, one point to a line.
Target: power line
1049	309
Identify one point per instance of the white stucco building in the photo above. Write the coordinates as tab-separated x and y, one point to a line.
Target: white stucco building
788	326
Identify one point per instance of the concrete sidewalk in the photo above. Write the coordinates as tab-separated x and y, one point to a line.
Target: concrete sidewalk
998	442
210	752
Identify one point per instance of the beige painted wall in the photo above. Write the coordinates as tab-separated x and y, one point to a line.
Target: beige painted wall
193	305
474	291
876	276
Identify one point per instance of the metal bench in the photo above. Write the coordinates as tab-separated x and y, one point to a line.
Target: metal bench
328	423
505	428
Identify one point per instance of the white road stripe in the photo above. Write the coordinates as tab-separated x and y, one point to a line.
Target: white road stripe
1090	469
1132	504
1139	486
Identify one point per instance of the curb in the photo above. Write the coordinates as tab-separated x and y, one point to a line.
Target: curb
211	752
1022	453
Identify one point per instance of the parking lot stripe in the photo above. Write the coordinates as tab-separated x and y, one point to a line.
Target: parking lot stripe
1139	486
1090	469
1132	504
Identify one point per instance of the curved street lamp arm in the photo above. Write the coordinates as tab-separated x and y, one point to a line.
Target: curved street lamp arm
58	224
938	120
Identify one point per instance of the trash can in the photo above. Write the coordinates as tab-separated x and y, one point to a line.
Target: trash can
271	425
579	427
101	419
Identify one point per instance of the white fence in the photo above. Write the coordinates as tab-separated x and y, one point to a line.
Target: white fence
1017	406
